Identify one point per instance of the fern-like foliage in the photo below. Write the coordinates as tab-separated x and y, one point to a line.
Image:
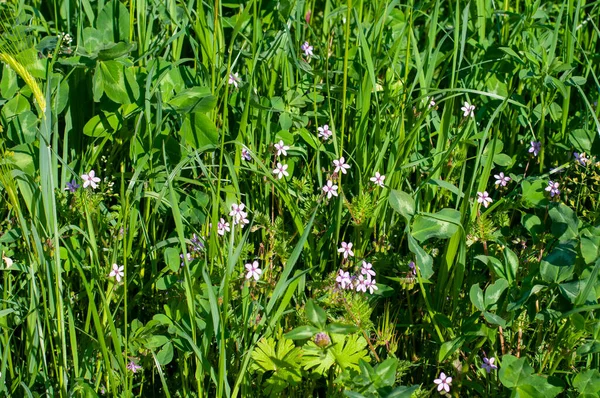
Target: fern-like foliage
280	357
345	351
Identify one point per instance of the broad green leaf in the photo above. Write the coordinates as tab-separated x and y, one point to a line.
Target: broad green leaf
582	140
564	222
494	264
476	296
534	193
533	224
424	262
102	125
198	131
512	264
442	225
558	266
494	319
494	291
195	99
113	22
113	51
282	358
302	332
315	314
590	248
339	328
165	355
588	382
514	371
112	77
450	347
403	203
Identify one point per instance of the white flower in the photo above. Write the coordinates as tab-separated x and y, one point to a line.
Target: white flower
117	272
346	249
581	158
553	188
238	214
488	364
340	165
431	102
281	148
307	48
253	271
443	382
378	179
501	179
343	279
90	179
367	269
330	189
467	109
222	227
234	79
324	132
484	198
7	260
280	171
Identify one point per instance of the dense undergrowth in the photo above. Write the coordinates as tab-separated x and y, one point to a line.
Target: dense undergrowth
299	198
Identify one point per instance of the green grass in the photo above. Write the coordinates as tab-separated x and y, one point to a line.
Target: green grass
142	97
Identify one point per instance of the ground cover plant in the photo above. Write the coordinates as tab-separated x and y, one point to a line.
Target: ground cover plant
299	198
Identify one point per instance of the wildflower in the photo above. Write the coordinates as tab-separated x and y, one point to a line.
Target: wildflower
7	260
234	79
324	132
197	244
133	367
238	214
346	249
246	154
330	189
432	102
367	269
535	147
117	272
307	48
281	148
370	284
361	284
281	170
553	188
222	227
378	179
581	158
72	186
90	179
501	179
443	382
65	38
340	165
189	256
322	339
343	279
488	364
467	109
484	198
254	271
413	267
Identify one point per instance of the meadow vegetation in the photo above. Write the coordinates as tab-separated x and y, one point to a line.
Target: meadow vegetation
299	198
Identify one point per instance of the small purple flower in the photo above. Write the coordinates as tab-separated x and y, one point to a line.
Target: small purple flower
72	186
324	132
581	158
197	244
341	165
535	147
343	279
308	49
413	267
361	284
484	198
488	364
254	271
501	179
467	109
367	269
246	155
553	188
378	179
222	227
189	258
234	79
330	189
370	284
322	339
133	367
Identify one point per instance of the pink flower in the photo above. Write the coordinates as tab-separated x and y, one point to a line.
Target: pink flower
340	165
246	154
343	279
330	189
361	285
467	109
238	214
90	179
553	188
443	382
370	284
254	271
581	158
378	179
346	249
501	179
281	148
484	198
133	367
234	79
367	269
281	170
324	132
117	272
308	49
222	227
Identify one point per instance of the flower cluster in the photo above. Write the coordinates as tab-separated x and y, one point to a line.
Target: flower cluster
238	214
361	283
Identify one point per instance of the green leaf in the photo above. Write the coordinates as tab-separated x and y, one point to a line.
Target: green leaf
514	371
582	140
172	259
424	262
339	328
441	225
281	358
114	25
386	371
195	99
590	248
534	193
533	224
198	131
576	81
494	265
403	203
165	355
588	382
302	332
345	351
450	347
476	296
564	222
315	314
494	319
558	266
113	51
112	80
102	125
494	291
512	264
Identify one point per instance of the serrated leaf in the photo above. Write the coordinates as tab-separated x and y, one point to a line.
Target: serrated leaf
282	358
345	351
